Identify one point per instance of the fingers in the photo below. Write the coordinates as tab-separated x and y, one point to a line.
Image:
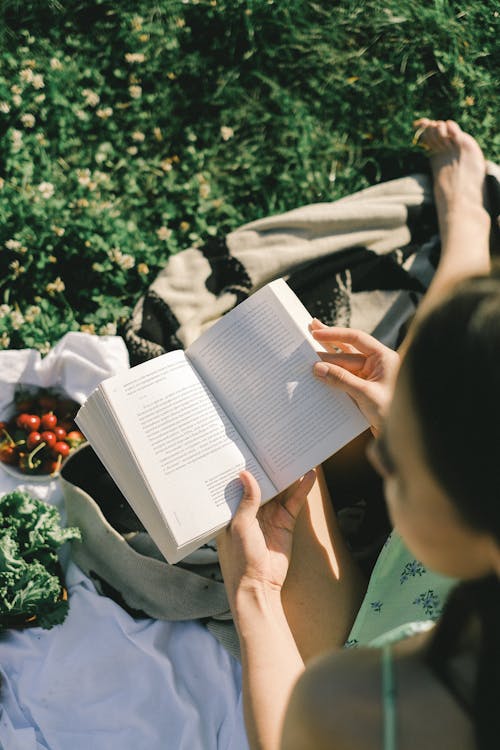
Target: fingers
352	362
342	379
294	503
250	502
337	336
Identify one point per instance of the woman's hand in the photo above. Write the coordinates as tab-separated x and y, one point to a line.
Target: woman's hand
255	549
359	365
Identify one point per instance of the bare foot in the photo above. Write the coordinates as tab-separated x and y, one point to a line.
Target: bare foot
459	171
457	161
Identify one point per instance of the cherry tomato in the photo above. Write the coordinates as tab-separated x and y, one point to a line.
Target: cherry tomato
75	437
49	438
48	421
59	432
62	448
32	423
33	439
8	454
21	420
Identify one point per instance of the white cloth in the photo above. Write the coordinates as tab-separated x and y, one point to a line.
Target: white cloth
102	679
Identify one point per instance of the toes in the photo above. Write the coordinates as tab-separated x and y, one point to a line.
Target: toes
442	131
454	129
431	136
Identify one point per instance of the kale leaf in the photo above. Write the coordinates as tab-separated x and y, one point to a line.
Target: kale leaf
30	575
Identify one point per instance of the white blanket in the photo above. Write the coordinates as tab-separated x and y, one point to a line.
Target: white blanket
103	680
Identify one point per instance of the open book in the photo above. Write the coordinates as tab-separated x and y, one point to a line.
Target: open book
175	431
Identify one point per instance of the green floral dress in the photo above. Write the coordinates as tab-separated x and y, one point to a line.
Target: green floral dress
402	596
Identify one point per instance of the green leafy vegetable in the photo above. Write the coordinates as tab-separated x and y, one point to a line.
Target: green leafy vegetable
30	576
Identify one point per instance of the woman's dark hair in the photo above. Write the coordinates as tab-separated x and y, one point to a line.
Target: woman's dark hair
453	371
453	368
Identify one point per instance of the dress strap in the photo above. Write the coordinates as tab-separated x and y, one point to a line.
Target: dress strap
389	700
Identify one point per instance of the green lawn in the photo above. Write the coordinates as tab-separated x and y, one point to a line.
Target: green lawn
131	130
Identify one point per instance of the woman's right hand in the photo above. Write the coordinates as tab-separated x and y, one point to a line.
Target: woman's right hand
359	365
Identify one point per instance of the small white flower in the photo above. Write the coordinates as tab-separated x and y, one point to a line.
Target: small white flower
5	310
104	113
127	262
26	75
122	259
16	319
91	97
17	100
12	244
108	330
164	233
28	120
135	57
226	132
40	98
132	150
135	91
138	136
2	183
32	313
83	176
55	286
46	189
38	82
4	108
4	341
55	64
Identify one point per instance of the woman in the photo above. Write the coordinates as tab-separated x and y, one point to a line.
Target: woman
437	449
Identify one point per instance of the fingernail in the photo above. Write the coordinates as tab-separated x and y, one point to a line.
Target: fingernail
321	369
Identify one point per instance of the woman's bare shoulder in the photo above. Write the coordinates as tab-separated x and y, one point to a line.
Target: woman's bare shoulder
337	704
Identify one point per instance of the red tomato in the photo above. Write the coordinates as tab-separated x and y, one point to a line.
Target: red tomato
21	420
62	448
75	437
49	438
48	421
33	439
32	423
59	432
8	454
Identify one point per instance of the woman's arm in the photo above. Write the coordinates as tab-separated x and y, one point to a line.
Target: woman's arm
254	553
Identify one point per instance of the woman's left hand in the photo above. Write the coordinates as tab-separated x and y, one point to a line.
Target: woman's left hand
255	549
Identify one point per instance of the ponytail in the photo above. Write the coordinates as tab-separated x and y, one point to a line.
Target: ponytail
473	603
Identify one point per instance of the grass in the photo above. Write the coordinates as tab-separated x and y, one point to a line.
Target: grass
130	130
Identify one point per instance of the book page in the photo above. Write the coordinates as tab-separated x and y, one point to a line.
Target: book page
258	361
185	445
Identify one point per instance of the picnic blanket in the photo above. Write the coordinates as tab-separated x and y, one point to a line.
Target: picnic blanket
104	679
363	261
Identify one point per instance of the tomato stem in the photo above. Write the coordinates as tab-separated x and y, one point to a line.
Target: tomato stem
33	453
